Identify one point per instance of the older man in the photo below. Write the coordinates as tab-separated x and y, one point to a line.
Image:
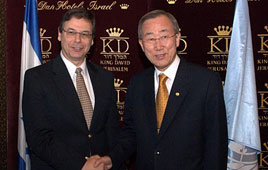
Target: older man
174	111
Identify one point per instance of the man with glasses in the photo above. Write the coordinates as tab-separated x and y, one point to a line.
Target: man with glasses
69	103
174	111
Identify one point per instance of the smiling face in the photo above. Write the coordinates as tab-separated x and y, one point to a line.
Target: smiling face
162	51
74	43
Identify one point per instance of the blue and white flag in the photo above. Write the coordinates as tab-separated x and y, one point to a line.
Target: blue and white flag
240	95
30	57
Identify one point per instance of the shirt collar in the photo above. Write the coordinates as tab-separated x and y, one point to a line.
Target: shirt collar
171	71
71	67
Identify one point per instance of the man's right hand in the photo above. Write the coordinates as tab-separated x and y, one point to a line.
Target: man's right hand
90	164
105	160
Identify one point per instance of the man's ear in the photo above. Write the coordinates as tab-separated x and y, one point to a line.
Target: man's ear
59	34
141	44
178	39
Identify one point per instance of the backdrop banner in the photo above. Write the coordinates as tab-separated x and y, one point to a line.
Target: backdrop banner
206	27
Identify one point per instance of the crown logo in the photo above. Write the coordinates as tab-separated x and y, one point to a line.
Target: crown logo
266	27
42	32
117	82
223	30
171	1
114	32
265	145
124	6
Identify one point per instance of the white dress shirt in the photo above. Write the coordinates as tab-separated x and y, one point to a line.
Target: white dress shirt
72	68
170	72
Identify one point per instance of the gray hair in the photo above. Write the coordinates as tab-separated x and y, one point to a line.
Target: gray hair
154	14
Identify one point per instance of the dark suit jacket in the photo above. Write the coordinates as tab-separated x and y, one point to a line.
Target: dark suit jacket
193	135
56	130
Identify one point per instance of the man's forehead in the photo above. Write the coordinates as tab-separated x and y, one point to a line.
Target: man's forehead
77	22
151	32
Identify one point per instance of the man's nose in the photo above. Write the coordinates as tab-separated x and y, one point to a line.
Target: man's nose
158	44
77	37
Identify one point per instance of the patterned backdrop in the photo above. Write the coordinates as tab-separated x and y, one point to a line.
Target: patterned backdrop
206	31
3	115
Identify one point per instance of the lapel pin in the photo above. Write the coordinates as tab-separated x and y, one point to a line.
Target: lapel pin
177	93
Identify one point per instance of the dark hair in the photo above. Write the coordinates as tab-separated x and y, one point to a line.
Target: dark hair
78	13
154	14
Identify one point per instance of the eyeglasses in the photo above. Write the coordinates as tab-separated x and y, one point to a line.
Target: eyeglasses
83	35
162	39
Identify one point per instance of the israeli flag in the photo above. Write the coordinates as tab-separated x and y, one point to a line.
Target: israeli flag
240	95
30	57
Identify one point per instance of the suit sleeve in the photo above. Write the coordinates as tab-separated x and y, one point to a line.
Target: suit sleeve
113	123
127	141
40	135
216	145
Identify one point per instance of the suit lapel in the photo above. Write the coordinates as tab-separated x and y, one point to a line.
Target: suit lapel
93	73
69	96
149	102
176	97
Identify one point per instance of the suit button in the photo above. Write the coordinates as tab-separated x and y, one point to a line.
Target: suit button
89	136
157	153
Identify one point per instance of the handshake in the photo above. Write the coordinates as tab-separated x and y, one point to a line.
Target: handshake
96	162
